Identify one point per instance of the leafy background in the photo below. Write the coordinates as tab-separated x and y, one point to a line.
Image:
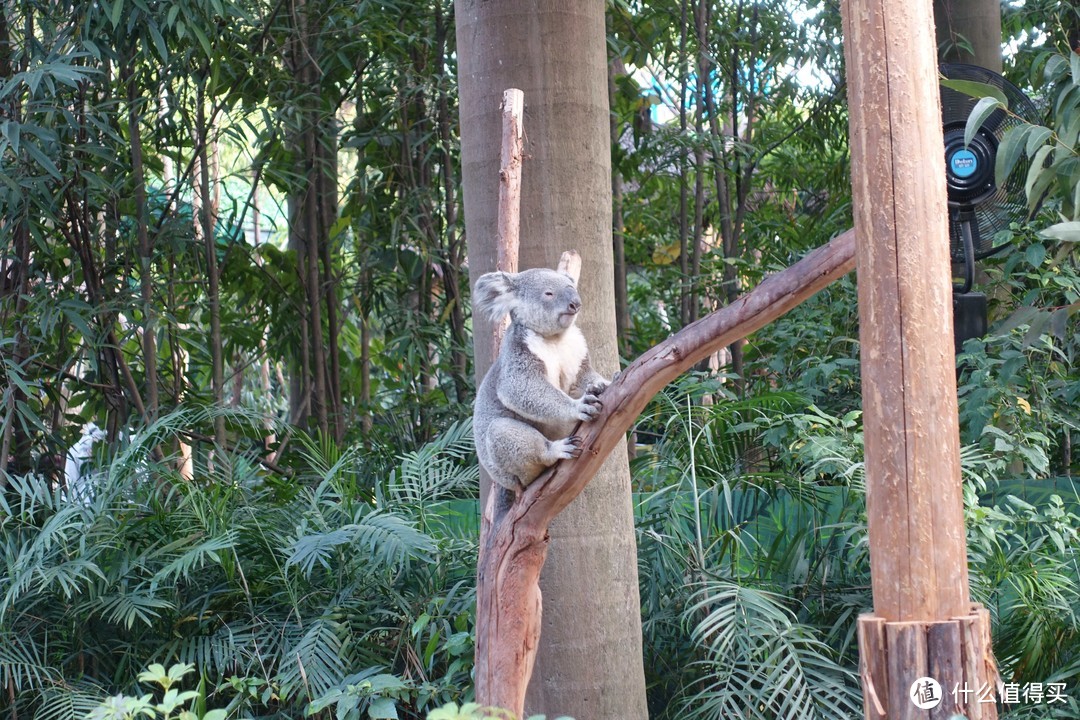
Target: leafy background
307	547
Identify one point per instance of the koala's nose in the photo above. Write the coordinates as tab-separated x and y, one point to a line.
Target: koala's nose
575	305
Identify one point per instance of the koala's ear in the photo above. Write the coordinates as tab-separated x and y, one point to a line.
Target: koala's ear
570	265
494	295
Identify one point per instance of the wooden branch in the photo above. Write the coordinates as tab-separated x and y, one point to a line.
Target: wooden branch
513	549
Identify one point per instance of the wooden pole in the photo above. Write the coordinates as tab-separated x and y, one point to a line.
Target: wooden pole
918	553
914	500
513	544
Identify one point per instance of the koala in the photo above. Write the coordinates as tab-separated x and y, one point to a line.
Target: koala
542	383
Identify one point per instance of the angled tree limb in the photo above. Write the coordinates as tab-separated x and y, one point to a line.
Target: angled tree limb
513	550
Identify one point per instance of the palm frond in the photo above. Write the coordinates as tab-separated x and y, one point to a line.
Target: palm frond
193	557
125	607
385	537
313	665
443	467
761	664
23	665
228	650
36	559
68	703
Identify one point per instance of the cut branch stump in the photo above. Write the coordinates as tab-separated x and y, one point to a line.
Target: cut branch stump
507	241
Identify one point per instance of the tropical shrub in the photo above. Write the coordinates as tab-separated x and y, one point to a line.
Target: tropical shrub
750	576
327	589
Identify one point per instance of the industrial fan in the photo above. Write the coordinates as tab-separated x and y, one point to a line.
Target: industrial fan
979	206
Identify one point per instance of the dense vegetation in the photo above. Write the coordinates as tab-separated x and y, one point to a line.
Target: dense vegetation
232	241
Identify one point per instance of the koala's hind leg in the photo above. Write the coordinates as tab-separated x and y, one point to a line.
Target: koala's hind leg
517	452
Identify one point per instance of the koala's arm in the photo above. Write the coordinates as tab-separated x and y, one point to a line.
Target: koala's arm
524	389
589	382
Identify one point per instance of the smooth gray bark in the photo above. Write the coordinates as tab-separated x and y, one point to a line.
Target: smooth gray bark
589	664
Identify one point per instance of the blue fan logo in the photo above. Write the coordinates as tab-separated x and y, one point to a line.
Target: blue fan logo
963	163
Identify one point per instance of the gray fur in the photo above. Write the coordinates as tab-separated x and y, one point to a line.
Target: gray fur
537	390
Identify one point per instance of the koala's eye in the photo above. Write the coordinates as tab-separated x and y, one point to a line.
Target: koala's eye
549	294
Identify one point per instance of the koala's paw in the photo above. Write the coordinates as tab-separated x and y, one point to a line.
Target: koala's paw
588	407
567	447
597	387
601	385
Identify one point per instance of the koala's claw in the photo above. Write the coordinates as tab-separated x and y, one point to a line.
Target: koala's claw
589	406
575	445
596	388
567	447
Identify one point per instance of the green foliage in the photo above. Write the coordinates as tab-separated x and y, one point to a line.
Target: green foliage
1054	174
739	550
1018	389
91	268
275	594
1017	403
472	711
754	556
303	571
1026	563
171	705
760	662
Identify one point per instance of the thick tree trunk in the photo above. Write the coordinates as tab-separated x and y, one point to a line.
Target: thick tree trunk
923	623
973	23
589	664
914	499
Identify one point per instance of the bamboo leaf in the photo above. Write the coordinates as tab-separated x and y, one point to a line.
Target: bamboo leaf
43	160
159	41
1039	176
116	13
1066	231
1037	137
201	36
976	89
982	110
